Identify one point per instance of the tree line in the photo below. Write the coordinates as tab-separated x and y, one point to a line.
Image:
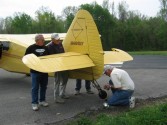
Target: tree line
119	28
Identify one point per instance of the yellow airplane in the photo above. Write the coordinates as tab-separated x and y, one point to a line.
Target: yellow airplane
84	57
12	50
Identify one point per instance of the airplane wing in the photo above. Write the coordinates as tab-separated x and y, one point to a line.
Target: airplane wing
116	55
57	62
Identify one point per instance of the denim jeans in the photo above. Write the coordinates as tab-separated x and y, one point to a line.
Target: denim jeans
120	97
78	84
39	82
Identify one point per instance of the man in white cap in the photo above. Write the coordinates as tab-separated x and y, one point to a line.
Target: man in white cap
61	78
122	87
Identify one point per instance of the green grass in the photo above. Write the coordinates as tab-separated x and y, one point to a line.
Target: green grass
152	115
164	53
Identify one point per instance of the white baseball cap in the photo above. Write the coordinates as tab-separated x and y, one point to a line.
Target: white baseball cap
107	67
55	36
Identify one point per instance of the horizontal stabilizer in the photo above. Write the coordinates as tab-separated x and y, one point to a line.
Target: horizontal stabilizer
116	55
57	62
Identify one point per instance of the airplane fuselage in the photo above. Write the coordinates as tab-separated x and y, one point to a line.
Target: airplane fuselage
11	59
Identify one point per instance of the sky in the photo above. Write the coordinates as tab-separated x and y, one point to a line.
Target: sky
9	7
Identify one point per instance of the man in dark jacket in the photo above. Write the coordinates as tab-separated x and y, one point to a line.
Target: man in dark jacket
56	47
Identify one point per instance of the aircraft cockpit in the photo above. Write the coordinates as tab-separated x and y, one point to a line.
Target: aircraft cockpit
4	45
1	47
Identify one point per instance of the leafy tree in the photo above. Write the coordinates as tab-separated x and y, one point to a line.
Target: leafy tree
46	22
163	10
121	25
122	11
160	30
113	9
8	25
21	23
69	13
43	21
104	21
106	4
1	25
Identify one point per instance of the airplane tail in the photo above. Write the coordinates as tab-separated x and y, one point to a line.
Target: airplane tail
83	37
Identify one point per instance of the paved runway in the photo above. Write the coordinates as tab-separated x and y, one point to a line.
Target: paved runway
148	73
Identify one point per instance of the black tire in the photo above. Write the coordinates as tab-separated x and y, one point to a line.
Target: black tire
102	94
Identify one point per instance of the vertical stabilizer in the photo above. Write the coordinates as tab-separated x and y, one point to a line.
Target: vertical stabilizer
83	37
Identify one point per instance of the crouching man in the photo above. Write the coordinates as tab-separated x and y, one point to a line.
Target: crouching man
122	87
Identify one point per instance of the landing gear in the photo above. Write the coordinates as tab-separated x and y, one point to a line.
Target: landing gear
102	94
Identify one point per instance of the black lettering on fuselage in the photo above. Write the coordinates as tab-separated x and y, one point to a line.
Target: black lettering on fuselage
77	43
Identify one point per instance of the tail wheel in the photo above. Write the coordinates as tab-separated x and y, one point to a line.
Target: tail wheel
102	93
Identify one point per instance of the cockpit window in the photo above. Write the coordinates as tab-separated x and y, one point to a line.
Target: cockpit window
5	45
1	47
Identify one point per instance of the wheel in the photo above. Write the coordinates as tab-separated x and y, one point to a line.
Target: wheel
102	94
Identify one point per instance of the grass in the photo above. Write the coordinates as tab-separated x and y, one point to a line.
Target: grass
151	115
164	53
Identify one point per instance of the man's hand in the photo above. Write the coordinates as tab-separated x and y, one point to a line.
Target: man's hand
107	86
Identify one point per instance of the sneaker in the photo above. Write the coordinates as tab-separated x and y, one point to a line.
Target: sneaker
65	96
106	105
35	107
132	102
59	100
77	92
90	92
45	104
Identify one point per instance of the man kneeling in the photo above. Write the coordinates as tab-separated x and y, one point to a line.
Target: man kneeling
122	87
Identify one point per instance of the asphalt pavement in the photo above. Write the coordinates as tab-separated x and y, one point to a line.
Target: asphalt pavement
147	72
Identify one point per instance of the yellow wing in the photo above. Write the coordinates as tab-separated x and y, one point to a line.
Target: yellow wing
116	55
57	62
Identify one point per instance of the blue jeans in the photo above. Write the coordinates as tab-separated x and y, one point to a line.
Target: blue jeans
78	84
120	97
39	82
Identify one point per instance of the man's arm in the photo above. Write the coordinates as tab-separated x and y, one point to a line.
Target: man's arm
116	82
